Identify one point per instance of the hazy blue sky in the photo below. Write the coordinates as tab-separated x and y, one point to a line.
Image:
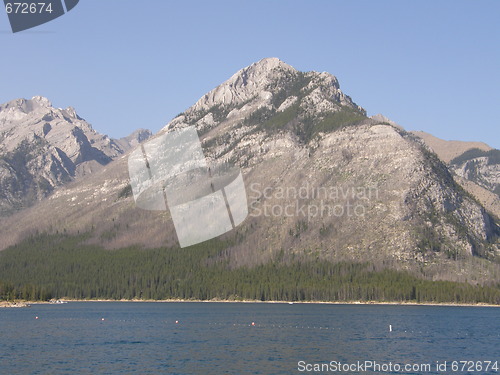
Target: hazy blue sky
429	65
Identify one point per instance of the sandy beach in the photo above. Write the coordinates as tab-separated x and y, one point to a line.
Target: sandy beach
19	303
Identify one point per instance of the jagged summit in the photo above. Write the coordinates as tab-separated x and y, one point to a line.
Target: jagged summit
268	85
26	105
42	147
36	105
247	83
36	118
261	68
271	63
42	101
260	73
19	108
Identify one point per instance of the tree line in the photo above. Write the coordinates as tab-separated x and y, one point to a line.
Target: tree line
59	266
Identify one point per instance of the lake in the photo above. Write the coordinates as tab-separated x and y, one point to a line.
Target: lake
248	338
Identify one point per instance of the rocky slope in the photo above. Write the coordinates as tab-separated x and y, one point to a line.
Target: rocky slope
481	167
42	147
322	180
479	173
476	167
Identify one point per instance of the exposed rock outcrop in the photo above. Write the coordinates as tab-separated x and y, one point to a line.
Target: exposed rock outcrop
42	147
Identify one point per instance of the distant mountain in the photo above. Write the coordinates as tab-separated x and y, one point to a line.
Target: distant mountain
479	172
476	167
481	167
370	191
448	150
133	140
42	147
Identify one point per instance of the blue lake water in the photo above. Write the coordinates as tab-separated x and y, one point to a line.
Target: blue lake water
219	338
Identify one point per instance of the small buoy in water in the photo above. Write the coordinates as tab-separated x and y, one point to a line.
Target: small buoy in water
176	322
102	319
390	328
253	323
36	317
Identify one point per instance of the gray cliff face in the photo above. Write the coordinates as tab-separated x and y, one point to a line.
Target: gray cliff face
42	147
480	167
475	165
370	190
267	88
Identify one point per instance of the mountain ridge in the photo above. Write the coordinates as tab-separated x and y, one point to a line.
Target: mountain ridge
42	148
287	129
448	150
475	165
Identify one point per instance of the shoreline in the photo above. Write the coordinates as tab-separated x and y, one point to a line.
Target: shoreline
21	303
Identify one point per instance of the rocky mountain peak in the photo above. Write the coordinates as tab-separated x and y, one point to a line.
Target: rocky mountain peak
268	63
260	74
246	84
25	106
134	139
270	86
42	147
41	101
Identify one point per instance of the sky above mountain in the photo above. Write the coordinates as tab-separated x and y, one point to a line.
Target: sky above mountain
136	64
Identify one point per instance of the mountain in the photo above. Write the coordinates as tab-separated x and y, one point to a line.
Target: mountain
133	140
479	166
475	165
479	172
42	147
448	150
323	182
